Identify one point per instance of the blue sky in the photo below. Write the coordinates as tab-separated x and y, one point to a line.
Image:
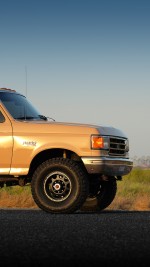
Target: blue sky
81	61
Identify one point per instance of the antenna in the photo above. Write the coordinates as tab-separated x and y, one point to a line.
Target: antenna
25	107
26	79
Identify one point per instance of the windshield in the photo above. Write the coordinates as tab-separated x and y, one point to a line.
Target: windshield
19	107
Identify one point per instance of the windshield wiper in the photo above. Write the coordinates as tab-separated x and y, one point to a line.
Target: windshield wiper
25	118
45	118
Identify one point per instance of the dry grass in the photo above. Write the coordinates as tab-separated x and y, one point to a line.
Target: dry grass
139	203
133	194
25	200
16	198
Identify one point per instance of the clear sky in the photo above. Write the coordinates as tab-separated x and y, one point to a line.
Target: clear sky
81	61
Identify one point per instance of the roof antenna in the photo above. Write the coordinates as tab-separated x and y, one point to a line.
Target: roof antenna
26	79
25	108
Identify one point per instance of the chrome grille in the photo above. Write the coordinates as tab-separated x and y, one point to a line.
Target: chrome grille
117	146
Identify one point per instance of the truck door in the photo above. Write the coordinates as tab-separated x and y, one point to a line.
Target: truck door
6	144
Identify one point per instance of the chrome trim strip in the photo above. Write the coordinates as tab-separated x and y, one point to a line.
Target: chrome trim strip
19	171
4	170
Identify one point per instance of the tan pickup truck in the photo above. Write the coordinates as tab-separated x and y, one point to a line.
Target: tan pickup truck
70	166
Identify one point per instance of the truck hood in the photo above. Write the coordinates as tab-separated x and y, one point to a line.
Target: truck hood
102	129
81	128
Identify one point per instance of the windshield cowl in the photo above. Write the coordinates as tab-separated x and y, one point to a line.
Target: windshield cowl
40	117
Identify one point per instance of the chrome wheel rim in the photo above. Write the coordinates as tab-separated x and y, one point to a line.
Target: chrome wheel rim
57	186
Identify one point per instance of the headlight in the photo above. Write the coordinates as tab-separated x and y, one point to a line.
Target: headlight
99	142
127	145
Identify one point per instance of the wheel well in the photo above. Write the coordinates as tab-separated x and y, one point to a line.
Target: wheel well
51	153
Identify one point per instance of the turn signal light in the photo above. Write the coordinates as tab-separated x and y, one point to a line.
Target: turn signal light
97	142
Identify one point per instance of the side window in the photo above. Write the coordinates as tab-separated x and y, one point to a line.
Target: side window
2	118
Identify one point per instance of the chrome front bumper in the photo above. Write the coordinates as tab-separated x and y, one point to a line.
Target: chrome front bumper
108	166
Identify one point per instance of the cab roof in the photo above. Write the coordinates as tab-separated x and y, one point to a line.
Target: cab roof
7	89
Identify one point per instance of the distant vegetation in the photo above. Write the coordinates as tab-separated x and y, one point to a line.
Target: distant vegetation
142	162
133	193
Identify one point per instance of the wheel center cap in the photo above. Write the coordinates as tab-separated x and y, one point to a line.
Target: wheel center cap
57	186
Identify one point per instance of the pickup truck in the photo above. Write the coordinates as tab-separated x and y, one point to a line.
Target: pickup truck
69	166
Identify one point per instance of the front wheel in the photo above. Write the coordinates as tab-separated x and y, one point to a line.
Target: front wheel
59	186
105	192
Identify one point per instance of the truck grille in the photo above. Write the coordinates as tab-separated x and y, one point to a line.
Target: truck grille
117	146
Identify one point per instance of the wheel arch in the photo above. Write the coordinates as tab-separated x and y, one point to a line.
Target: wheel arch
52	153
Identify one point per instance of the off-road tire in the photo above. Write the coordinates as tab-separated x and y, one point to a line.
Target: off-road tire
59	186
104	197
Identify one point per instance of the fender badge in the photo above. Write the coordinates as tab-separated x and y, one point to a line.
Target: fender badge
29	143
